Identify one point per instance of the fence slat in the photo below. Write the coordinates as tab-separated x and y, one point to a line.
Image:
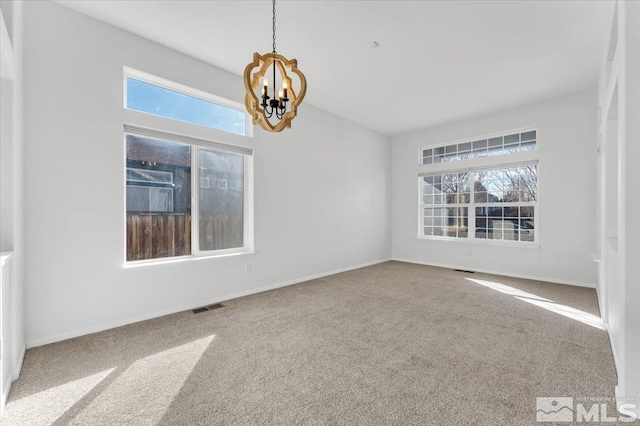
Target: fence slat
158	235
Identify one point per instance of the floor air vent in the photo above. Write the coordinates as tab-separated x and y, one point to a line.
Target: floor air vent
462	270
207	308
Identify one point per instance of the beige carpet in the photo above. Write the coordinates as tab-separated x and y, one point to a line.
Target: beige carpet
394	343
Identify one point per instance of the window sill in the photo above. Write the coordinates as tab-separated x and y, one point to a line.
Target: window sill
477	242
180	259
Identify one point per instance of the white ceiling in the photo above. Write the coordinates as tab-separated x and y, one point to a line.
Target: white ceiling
438	61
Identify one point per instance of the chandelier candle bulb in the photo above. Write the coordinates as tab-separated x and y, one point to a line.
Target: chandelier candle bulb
265	83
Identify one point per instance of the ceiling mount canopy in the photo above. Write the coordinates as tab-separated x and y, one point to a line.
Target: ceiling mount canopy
273	109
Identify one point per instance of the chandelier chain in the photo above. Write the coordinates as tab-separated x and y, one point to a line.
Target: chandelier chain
274	27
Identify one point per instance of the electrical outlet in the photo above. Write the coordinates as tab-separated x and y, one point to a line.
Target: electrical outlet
247	269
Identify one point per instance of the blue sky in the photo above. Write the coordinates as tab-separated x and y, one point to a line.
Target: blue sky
146	97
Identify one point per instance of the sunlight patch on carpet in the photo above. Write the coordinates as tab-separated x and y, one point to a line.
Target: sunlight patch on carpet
564	310
145	390
52	403
511	291
569	312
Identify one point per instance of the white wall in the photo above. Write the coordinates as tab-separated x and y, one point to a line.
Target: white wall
321	188
632	199
567	199
619	282
12	197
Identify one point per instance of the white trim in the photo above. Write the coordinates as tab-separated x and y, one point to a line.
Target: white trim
612	88
94	329
15	374
506	274
472	205
481	241
7	60
195	202
613	347
228	254
5	395
195	144
487	136
132	129
477	138
5	256
481	163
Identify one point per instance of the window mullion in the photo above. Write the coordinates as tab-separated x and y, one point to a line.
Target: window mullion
471	234
195	195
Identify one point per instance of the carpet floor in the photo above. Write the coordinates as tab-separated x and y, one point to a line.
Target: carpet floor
394	343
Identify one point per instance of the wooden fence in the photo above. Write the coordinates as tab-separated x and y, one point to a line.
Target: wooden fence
220	232
158	235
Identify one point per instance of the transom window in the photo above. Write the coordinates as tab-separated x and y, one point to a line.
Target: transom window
160	97
481	147
496	202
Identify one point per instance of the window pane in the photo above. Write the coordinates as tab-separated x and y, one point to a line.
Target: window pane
528	136
221	203
505	223
480	145
456	222
495	142
156	100
499	145
527	223
511	139
464	147
507	185
446	222
158	198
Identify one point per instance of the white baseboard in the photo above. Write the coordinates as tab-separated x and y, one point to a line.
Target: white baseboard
88	330
5	394
15	374
506	274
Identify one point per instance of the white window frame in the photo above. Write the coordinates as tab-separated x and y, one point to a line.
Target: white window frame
472	165
163	128
478	138
189	91
247	204
195	144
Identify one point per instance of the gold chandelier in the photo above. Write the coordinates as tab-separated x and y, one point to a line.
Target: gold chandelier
281	106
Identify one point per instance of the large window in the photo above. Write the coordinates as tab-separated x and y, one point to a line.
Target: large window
480	203
185	196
